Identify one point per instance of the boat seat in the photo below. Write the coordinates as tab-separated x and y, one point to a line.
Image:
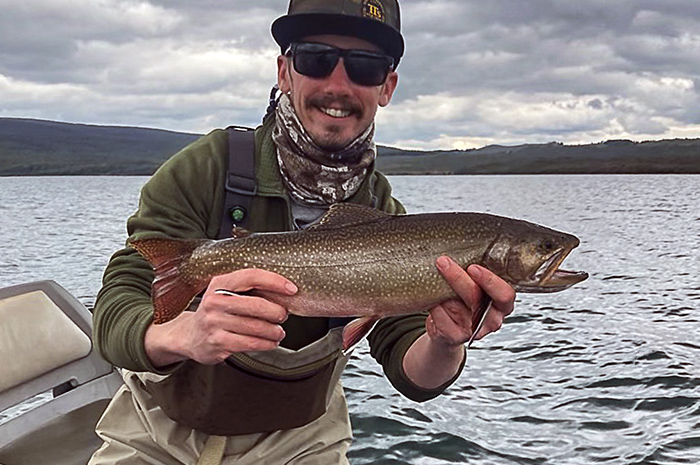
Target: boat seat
54	385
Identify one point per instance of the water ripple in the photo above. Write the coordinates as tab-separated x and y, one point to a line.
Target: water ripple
606	372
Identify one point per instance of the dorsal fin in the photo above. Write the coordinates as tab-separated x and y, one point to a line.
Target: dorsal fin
347	214
239	233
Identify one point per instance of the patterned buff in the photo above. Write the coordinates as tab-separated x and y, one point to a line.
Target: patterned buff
314	175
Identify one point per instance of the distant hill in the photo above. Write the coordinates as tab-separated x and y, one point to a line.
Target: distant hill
36	147
680	156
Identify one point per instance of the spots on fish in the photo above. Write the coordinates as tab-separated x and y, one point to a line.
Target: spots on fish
384	259
379	267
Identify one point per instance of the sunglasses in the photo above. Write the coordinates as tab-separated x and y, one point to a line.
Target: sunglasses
319	60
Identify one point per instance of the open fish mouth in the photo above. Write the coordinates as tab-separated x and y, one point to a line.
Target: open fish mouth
550	278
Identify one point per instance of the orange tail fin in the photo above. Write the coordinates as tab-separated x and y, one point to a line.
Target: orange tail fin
172	290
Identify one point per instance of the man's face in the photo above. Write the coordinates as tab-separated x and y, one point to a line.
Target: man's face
333	109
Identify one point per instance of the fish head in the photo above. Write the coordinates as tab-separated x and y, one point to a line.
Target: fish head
528	257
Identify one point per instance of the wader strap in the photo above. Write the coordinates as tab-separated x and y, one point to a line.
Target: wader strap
213	451
240	179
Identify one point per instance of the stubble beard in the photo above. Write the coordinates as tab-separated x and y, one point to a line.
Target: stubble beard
331	138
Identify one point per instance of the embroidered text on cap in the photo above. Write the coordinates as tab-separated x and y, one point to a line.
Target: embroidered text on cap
373	9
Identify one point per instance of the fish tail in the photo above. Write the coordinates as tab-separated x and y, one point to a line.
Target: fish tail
172	290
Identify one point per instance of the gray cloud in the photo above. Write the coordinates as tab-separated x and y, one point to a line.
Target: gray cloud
503	71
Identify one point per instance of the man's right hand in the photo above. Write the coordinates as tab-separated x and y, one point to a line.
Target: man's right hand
223	323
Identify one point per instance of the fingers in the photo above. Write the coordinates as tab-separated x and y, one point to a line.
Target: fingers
480	318
492	323
501	293
241	343
253	327
222	294
217	346
247	306
227	321
251	278
450	322
214	334
197	336
459	281
473	287
454	311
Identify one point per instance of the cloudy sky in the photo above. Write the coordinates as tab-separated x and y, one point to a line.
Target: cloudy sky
475	73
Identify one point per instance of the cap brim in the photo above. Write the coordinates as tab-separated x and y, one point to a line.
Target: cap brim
291	28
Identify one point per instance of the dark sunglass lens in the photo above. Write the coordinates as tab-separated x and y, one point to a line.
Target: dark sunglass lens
367	69
314	61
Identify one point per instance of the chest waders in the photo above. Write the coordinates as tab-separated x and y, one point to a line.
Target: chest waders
252	392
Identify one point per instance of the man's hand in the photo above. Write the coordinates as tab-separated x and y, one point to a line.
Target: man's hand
450	323
223	323
436	356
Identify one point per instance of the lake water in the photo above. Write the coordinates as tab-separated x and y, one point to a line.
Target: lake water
606	372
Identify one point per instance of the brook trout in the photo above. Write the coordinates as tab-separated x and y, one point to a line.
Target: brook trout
357	261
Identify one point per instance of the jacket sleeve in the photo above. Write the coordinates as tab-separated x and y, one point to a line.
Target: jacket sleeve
177	201
391	337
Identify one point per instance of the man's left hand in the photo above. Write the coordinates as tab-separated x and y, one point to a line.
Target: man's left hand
434	358
450	323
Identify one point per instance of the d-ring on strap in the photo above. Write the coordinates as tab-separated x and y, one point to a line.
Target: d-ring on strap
213	451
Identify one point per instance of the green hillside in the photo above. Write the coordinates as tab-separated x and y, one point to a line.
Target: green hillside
36	147
611	157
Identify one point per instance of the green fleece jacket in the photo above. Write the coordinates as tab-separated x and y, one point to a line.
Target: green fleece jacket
184	199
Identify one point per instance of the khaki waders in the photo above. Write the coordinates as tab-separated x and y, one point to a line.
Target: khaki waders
136	431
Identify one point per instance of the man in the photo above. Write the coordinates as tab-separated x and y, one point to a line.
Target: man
232	379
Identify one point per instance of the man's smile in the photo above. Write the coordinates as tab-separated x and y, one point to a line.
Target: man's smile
335	107
335	112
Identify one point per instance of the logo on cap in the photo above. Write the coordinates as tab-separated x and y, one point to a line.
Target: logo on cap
373	9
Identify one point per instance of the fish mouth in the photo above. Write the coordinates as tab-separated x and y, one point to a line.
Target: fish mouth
550	278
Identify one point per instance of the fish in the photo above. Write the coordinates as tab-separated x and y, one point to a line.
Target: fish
360	262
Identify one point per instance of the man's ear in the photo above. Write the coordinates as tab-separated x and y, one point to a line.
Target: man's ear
283	79
392	80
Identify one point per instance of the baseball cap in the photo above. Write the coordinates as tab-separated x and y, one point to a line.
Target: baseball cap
376	21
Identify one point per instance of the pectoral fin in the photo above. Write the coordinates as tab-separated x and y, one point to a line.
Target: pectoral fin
355	331
479	318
